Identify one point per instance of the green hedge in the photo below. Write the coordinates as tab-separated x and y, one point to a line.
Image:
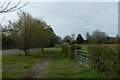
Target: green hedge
105	59
69	49
65	48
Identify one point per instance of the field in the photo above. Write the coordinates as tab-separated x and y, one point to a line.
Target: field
84	46
59	66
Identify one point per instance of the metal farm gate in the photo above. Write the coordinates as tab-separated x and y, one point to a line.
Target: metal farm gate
82	57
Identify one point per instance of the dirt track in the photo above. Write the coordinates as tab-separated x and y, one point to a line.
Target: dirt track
37	69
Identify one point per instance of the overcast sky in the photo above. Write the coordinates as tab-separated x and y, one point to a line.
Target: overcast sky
68	18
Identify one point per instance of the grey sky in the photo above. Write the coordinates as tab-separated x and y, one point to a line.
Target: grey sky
68	18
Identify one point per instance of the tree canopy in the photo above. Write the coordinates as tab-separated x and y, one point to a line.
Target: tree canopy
28	32
79	39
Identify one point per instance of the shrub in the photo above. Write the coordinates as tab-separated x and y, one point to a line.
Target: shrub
65	48
69	49
104	58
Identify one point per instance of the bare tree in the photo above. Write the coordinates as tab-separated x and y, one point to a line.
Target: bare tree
5	7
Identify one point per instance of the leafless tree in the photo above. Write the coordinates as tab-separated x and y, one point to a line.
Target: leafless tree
5	7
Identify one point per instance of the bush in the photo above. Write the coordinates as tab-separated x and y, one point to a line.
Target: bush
65	48
69	49
104	58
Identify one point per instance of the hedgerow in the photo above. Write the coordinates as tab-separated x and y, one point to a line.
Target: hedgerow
65	48
105	59
69	49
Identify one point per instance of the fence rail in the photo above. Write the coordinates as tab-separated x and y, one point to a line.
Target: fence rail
82	57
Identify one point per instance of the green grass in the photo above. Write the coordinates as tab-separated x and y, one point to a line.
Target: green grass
55	49
14	66
61	66
84	47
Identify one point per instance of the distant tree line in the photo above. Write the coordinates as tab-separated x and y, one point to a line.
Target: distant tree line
97	37
28	32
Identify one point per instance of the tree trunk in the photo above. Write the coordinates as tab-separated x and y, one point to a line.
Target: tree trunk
42	46
25	51
42	49
28	50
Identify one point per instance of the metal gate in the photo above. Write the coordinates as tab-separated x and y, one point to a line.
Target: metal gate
82	57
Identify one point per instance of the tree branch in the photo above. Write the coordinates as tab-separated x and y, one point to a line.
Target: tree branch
5	9
3	4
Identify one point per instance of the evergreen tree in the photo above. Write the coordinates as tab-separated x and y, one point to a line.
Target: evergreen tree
79	39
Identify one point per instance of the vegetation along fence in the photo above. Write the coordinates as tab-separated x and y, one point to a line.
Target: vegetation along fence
82	57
